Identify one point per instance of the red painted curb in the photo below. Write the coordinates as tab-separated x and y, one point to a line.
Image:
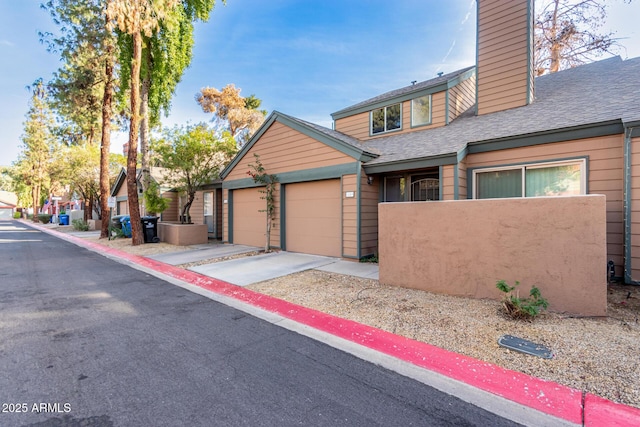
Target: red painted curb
602	412
545	396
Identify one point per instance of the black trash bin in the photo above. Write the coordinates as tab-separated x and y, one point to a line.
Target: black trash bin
150	229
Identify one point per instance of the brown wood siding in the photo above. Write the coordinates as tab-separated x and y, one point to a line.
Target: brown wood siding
349	216
605	176
122	191
462	180
447	183
171	213
225	215
369	198
282	149
196	211
357	126
462	97
635	209
504	53
123	208
219	215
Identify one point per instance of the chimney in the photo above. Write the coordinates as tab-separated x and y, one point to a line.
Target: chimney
504	55
125	149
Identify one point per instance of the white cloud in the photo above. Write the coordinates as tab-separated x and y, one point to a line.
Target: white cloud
6	43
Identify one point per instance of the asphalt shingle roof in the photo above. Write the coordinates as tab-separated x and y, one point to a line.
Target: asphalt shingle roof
406	90
594	93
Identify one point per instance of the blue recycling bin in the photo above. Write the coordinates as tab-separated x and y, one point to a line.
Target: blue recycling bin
126	225
64	219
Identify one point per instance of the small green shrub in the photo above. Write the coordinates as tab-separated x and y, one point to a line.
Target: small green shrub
370	258
44	218
80	225
521	308
115	232
17	215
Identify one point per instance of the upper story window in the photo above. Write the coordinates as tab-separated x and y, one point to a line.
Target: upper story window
386	119
421	111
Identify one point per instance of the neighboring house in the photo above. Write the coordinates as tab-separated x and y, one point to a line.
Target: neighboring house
486	131
205	209
8	202
119	191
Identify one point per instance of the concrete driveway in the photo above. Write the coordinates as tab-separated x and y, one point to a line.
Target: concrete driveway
253	269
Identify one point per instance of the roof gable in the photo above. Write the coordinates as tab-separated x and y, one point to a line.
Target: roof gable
120	179
336	140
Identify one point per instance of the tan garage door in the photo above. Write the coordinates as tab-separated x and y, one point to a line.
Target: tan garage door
248	223
314	219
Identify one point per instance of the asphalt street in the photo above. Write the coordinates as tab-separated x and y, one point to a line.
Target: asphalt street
86	341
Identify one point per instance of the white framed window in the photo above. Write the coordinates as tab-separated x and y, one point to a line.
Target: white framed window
421	111
386	119
565	178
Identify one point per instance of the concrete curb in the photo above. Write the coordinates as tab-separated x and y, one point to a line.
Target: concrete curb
558	401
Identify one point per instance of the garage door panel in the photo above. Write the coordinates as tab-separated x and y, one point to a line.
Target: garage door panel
248	222
313	217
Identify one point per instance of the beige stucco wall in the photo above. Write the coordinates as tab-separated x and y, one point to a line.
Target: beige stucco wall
463	247
605	176
182	234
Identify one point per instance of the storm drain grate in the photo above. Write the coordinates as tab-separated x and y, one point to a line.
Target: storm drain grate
524	346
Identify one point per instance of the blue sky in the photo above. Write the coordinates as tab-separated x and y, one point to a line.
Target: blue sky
301	57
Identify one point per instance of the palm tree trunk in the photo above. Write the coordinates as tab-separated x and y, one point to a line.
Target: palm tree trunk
107	99
132	155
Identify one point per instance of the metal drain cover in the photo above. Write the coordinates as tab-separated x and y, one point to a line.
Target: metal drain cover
524	346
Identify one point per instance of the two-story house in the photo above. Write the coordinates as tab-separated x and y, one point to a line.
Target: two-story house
485	131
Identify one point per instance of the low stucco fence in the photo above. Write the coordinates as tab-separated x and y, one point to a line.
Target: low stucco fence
182	234
463	247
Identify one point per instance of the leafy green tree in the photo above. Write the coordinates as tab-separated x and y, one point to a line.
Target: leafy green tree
34	161
194	156
137	18
232	113
153	200
78	166
568	34
6	180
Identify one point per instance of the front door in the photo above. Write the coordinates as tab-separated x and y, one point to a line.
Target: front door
208	211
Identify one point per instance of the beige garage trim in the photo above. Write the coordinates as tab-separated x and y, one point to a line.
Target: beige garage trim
313	217
248	223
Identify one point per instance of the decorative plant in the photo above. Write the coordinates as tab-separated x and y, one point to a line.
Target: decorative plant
260	176
44	218
80	225
521	308
153	200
